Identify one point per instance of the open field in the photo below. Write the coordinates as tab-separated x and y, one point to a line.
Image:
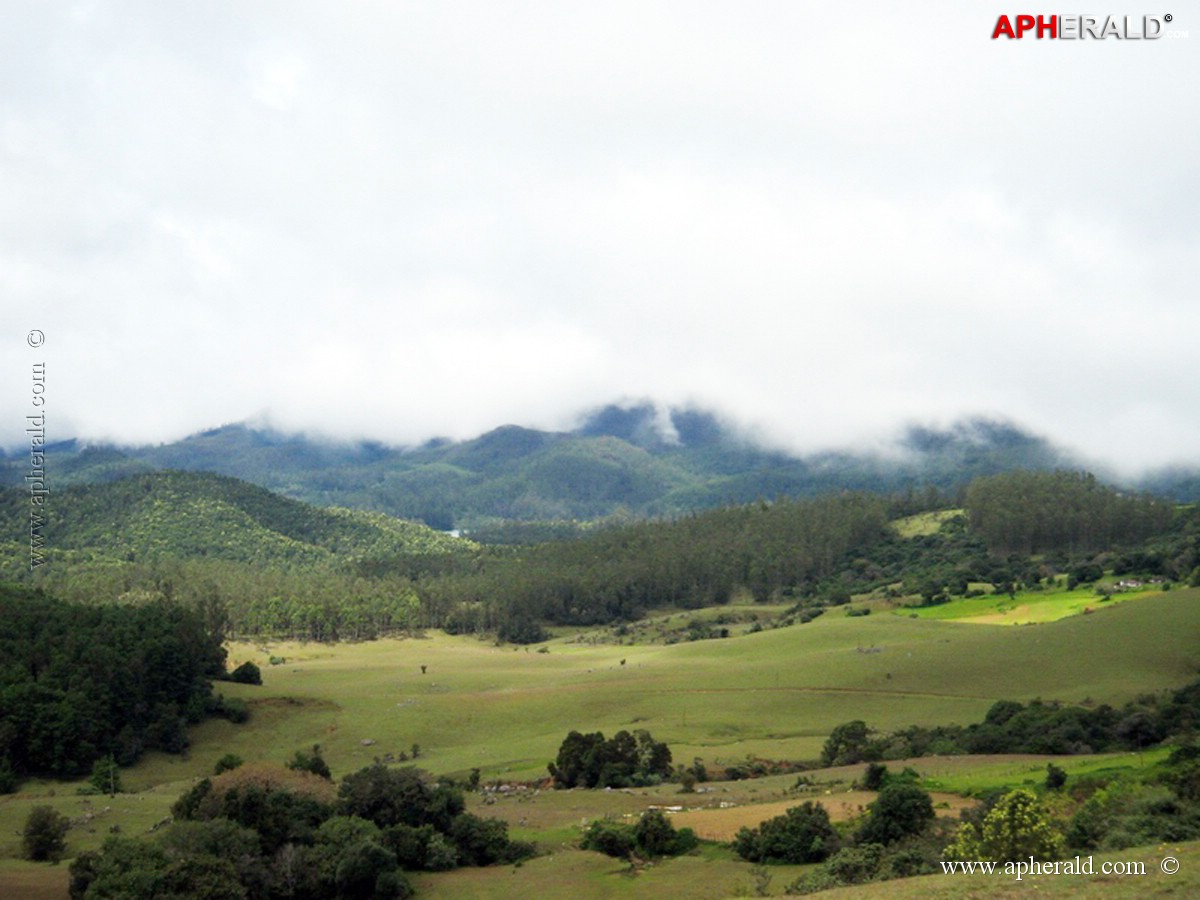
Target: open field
926	523
708	874
1029	607
775	694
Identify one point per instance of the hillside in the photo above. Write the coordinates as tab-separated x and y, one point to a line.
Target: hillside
259	561
621	460
744	637
196	514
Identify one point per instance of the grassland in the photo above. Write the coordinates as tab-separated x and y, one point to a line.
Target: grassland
926	523
774	694
1027	607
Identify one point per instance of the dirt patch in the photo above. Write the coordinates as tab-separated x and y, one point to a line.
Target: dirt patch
724	824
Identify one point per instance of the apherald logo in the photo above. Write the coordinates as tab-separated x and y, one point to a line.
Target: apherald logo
1075	28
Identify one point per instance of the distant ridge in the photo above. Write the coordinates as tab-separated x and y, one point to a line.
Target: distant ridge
622	459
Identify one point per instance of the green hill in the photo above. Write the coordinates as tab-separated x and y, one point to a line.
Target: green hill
267	563
197	514
621	460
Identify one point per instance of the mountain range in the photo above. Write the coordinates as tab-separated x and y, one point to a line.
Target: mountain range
635	460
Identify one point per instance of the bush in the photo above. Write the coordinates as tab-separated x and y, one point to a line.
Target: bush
1016	828
227	763
480	842
246	673
399	797
874	777
590	760
235	710
1055	777
106	776
902	809
311	762
847	744
855	865
609	838
801	835
653	836
44	836
8	778
656	836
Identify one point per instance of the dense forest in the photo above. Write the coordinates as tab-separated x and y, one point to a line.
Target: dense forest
1033	512
81	682
272	566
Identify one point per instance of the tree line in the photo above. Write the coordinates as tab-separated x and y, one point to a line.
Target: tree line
617	573
1032	512
288	571
78	682
1035	727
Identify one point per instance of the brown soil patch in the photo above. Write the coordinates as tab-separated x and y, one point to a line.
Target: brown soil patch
724	824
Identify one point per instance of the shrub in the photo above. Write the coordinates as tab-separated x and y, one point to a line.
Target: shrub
855	865
901	809
656	836
106	776
44	837
227	763
235	710
801	835
1055	777
875	776
398	797
609	838
311	762
848	743
591	760
246	673
1016	828
652	837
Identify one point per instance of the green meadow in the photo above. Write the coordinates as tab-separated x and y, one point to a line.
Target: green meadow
1027	607
774	694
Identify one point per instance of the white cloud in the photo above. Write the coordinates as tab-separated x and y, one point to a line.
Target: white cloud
401	220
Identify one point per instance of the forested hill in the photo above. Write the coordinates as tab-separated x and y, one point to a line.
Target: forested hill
183	515
266	564
621	460
262	562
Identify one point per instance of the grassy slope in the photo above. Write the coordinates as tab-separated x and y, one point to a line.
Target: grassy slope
186	514
777	693
1029	606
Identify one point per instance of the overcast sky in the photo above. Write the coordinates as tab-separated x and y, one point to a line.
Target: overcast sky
401	219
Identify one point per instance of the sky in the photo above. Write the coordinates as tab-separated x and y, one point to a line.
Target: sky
399	220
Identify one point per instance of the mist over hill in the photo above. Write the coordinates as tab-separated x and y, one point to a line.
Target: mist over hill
622	459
